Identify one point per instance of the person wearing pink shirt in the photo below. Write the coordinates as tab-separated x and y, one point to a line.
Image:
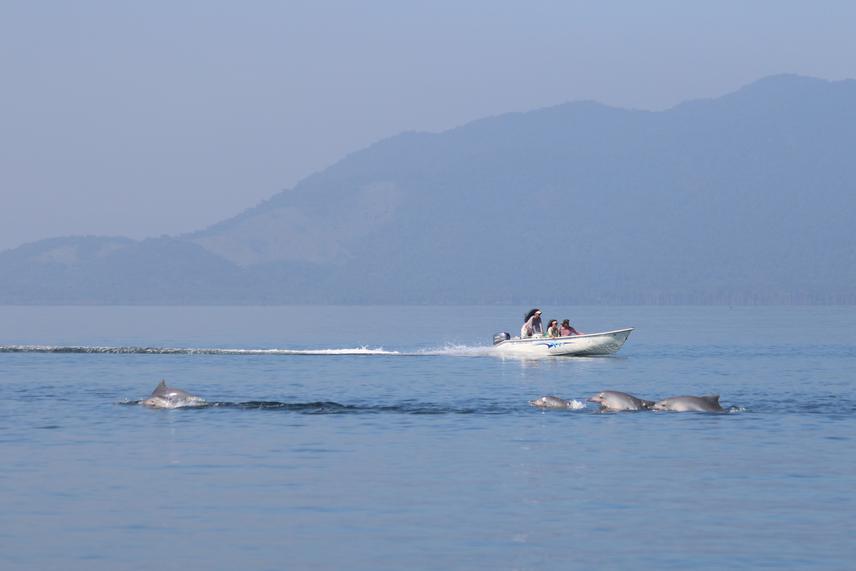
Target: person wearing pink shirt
566	330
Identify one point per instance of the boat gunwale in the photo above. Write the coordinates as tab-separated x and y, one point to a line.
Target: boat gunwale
517	340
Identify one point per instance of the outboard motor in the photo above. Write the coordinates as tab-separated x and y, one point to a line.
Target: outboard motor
500	337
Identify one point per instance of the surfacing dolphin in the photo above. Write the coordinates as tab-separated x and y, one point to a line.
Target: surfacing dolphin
708	403
616	401
168	397
556	402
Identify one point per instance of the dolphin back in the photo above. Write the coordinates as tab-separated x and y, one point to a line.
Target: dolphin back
617	400
161	389
707	403
166	392
168	397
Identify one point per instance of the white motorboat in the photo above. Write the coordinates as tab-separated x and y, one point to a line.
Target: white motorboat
604	343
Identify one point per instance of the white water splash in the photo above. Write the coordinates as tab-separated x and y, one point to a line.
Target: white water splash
192	350
450	350
459	351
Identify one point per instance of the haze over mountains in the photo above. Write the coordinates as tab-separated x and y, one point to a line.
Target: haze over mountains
747	198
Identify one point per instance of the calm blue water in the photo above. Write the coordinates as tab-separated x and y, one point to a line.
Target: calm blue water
435	460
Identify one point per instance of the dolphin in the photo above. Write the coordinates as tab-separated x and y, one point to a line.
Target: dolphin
615	401
556	402
168	397
709	403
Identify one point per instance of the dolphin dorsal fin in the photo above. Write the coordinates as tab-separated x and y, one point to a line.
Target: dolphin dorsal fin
711	399
161	387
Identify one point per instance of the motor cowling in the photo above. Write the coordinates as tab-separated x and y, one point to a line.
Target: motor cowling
500	337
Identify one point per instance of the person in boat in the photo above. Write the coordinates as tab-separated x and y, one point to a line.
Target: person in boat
553	328
566	330
532	325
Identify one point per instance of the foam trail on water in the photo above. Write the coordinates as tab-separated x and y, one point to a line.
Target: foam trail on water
191	350
451	350
459	351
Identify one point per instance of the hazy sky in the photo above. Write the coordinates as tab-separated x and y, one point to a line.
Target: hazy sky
148	118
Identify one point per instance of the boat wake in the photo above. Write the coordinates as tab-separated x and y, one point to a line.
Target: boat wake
448	350
459	351
190	350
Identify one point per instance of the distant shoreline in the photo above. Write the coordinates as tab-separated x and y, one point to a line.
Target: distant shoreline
434	304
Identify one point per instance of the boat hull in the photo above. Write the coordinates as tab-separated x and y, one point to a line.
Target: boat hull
604	343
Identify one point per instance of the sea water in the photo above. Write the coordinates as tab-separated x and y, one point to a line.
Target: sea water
393	438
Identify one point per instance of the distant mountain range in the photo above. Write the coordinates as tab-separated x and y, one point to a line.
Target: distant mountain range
747	198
